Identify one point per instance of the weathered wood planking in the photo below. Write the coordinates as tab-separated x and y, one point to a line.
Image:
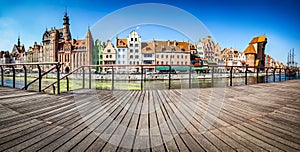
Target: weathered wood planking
261	117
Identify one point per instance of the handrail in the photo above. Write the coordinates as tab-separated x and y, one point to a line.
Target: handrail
61	78
38	77
32	63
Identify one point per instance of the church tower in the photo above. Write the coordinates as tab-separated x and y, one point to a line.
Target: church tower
66	28
89	47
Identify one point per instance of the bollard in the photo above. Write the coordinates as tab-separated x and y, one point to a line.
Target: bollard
142	72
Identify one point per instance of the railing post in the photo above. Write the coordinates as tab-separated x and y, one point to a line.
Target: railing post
190	77
212	76
280	74
267	74
2	76
285	74
53	89
90	78
68	89
246	74
142	72
25	77
58	78
14	77
112	78
169	77
40	78
83	78
230	76
257	75
274	74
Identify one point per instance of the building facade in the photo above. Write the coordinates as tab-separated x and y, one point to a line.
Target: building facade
255	52
58	46
109	56
148	56
121	49
134	48
18	54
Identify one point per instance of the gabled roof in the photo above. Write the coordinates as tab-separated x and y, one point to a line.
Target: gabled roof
250	49
147	47
258	39
121	43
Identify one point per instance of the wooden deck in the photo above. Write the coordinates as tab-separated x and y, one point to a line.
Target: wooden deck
263	117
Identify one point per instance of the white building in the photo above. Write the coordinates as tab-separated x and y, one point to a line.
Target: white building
200	49
122	57
134	48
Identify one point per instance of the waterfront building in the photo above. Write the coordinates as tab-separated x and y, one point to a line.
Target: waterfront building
148	56
171	53
58	46
98	54
109	56
212	51
121	51
18	54
34	54
255	52
200	50
134	48
5	57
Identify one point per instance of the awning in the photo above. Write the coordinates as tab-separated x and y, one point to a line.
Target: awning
200	68
176	68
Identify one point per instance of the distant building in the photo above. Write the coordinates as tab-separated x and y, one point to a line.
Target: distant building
5	57
18	54
58	46
134	48
148	56
122	47
109	56
98	54
34	54
255	52
200	50
170	53
212	51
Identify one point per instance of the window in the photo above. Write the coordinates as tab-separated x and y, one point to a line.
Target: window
123	56
106	56
137	62
110	56
119	50
123	50
177	56
119	62
157	56
136	51
162	62
133	62
108	50
186	57
166	56
162	56
131	50
135	39
136	45
131	40
157	62
182	56
130	62
131	56
136	56
177	62
131	45
167	62
123	62
181	63
119	56
185	63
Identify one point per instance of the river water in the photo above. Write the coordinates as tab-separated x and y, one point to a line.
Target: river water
154	84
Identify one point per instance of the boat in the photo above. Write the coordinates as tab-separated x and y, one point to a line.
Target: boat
291	70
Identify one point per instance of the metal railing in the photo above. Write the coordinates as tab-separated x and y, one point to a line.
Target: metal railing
244	71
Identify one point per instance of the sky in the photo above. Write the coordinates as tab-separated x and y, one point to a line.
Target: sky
232	23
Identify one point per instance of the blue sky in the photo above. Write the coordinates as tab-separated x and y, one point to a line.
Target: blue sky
232	23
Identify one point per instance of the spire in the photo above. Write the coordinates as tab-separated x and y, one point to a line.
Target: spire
66	18
18	40
88	34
